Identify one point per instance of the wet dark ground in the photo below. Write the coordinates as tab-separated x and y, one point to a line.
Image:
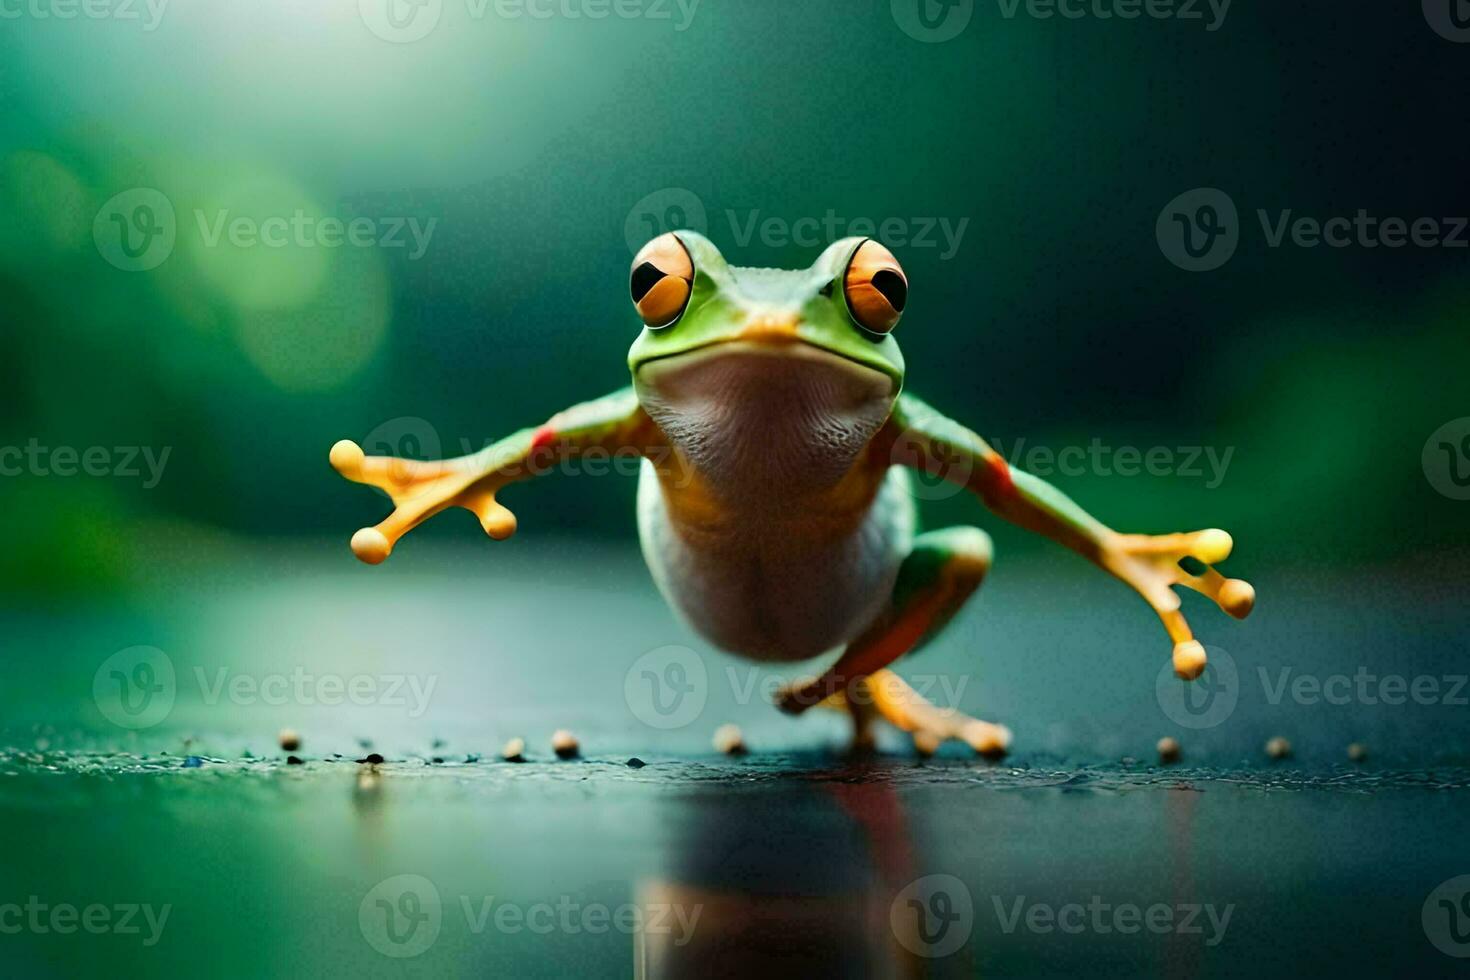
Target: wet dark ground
1077	856
762	866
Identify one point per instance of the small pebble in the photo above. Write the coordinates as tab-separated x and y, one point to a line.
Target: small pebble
514	751
193	762
437	760
372	759
1357	752
295	760
1278	748
289	739
472	757
1168	750
564	744
729	740
636	763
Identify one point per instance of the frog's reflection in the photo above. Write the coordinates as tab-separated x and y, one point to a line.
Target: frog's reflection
800	885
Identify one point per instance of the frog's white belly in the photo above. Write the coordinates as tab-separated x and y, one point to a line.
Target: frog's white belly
771	592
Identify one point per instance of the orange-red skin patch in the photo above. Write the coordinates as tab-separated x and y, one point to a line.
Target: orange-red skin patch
1000	482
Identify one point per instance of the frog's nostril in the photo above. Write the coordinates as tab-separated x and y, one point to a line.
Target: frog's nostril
771	327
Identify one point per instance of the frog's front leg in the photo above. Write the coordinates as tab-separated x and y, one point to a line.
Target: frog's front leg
1152	564
614	424
934	581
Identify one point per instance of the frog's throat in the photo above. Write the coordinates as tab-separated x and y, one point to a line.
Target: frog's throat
759	421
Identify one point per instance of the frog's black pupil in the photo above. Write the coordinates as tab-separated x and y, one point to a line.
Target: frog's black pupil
645	277
893	288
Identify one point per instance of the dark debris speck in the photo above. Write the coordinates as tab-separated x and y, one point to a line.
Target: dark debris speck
295	760
372	759
636	763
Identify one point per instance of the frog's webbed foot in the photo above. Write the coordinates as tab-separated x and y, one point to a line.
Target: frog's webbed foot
419	490
885	696
929	725
1154	564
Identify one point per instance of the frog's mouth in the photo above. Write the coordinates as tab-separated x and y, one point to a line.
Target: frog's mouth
781	334
756	360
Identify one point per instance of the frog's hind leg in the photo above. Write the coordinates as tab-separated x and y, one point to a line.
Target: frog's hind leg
942	571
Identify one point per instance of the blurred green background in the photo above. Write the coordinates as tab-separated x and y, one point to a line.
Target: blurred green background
533	144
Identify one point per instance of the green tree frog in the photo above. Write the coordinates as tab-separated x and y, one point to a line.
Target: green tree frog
775	509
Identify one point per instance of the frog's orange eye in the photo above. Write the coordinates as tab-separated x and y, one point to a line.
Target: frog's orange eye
663	275
876	288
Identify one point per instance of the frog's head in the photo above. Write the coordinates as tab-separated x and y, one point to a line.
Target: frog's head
797	367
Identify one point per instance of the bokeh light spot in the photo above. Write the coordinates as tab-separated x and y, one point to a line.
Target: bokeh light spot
323	342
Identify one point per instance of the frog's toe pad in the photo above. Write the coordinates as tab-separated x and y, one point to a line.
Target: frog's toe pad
371	545
1189	659
1237	597
989	740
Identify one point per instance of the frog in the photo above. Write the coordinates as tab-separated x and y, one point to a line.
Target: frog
777	507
